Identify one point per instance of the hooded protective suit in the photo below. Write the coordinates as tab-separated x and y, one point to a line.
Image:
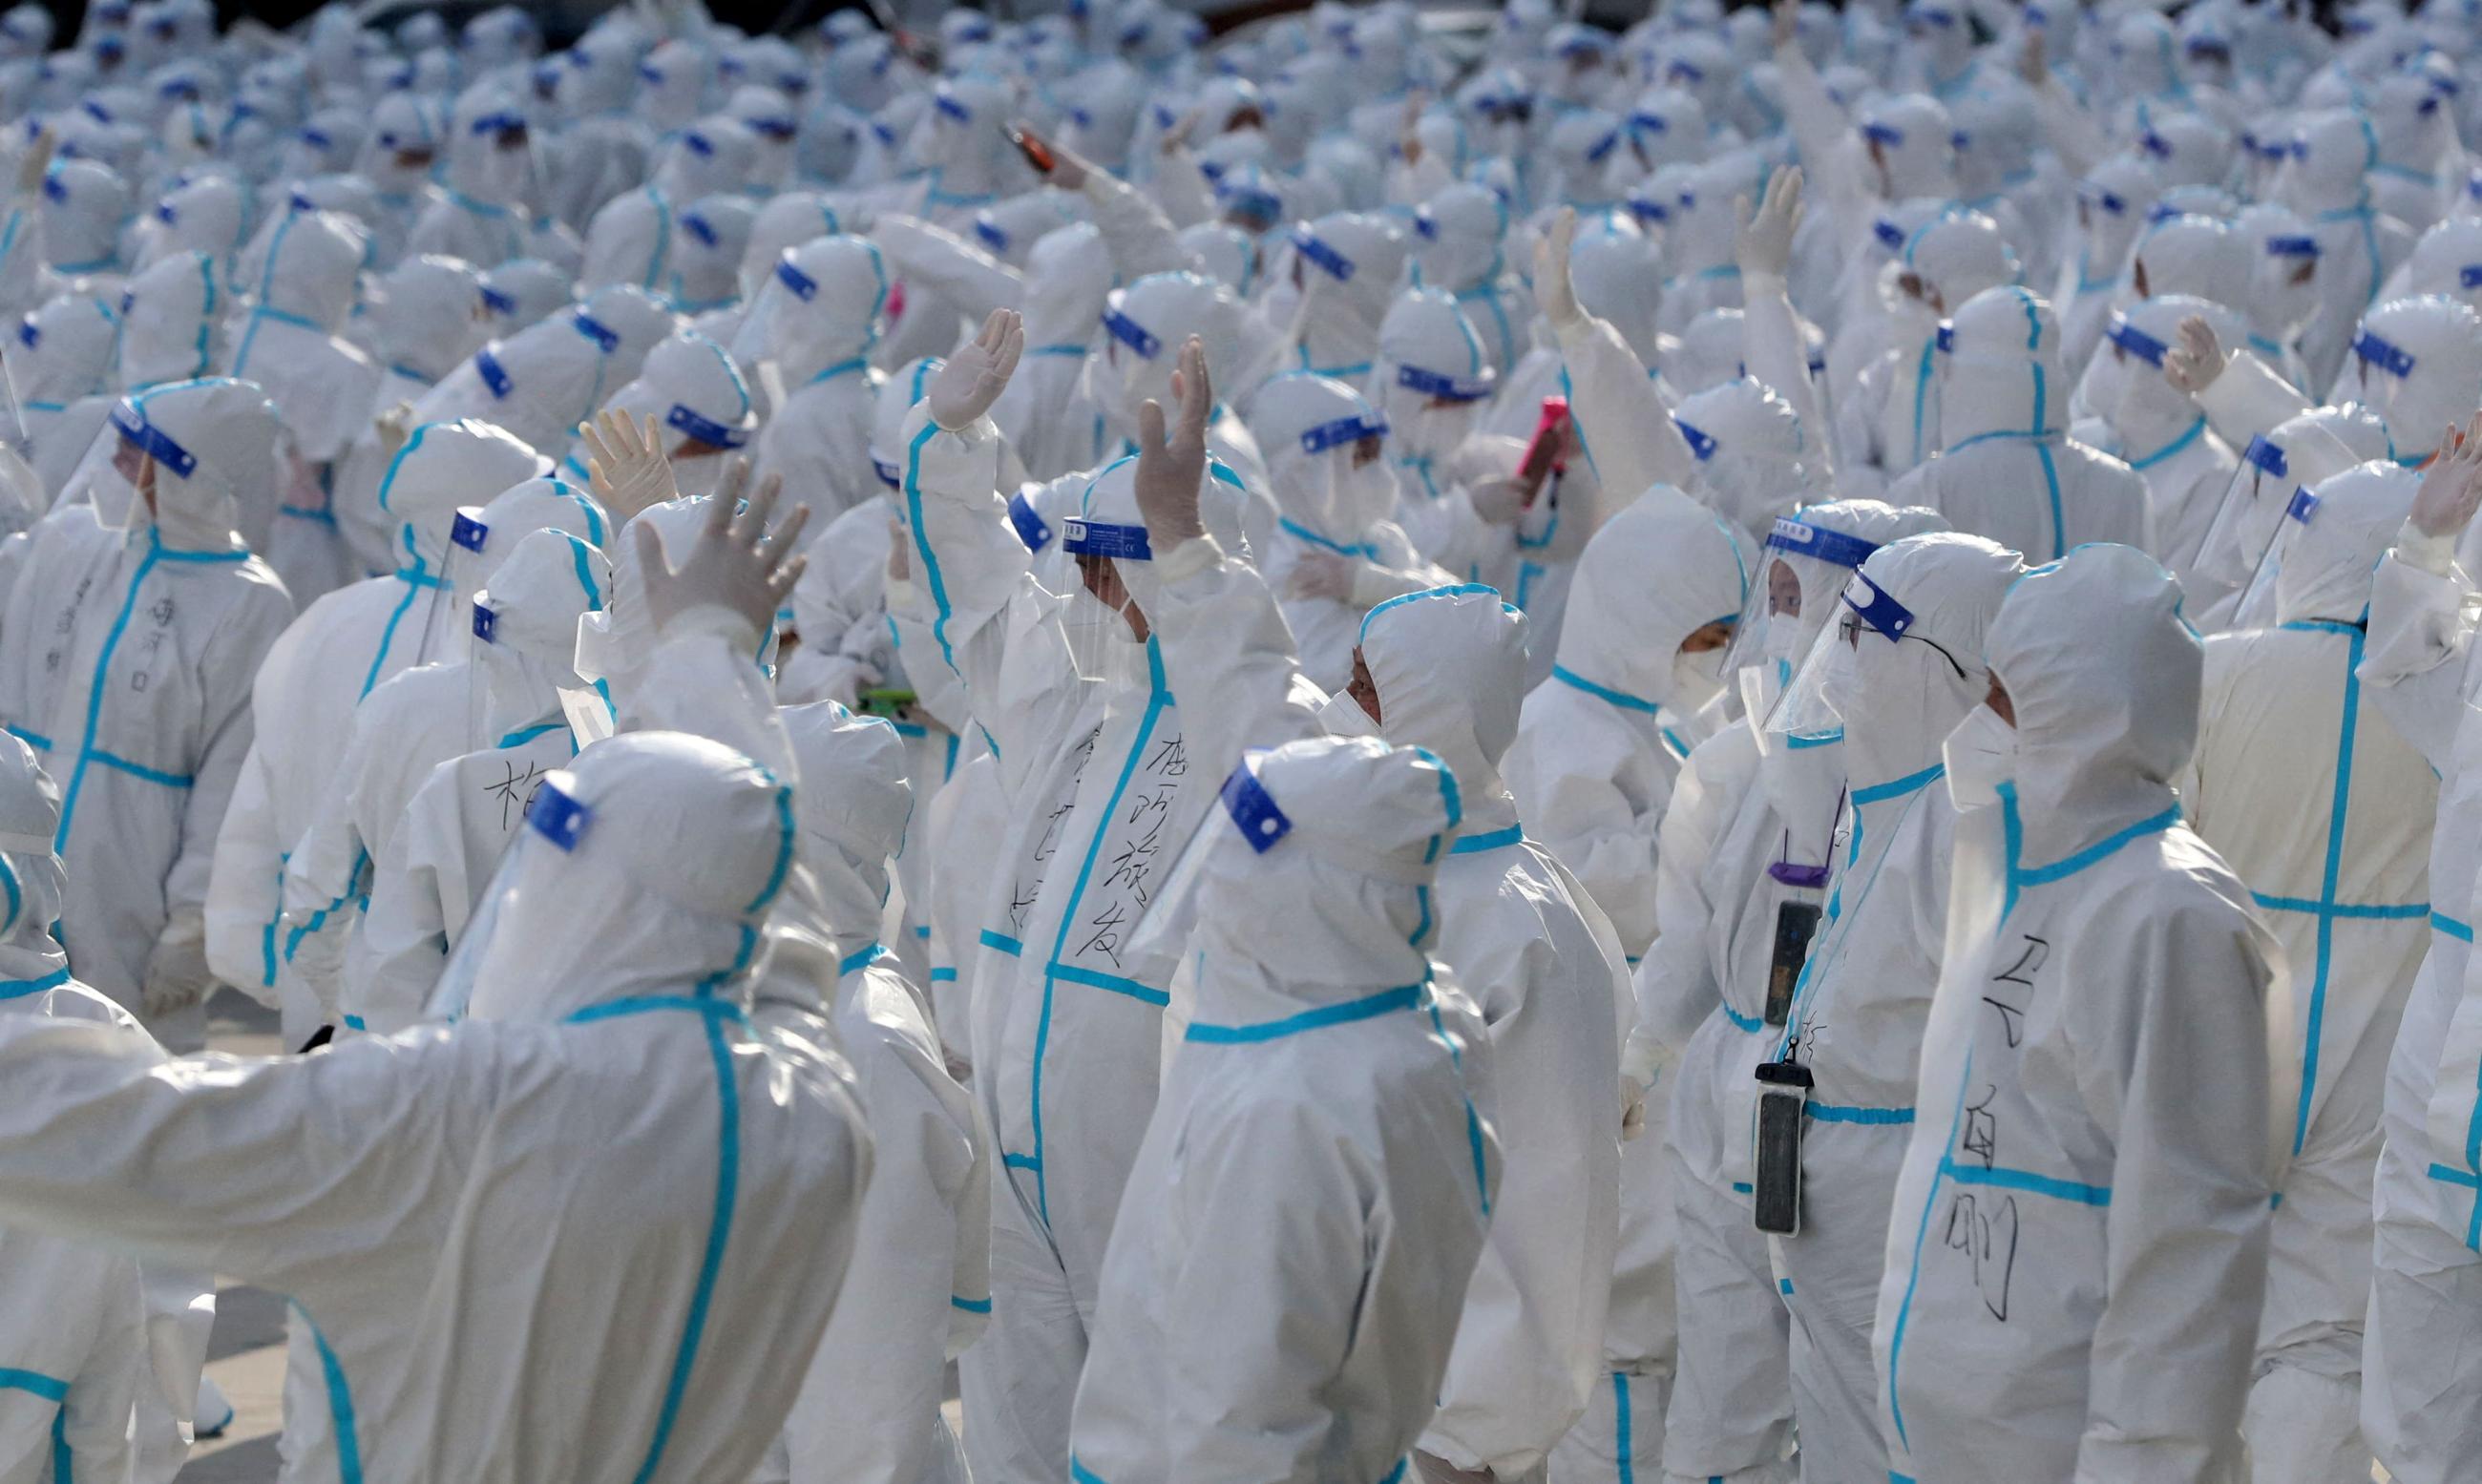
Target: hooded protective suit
73	1317
1050	416
807	340
2079	1237
1744	851
1068	1015
632	238
169	316
1432	384
1889	419
1333	280
426	315
2327	182
125	660
1324	446
323	386
2344	889
399	732
1897	664
483	211
2006	468
1310	1200
541	382
305	691
1598	746
677	1165
61	365
1459	244
703	407
459	822
2113	203
2157	429
869	1407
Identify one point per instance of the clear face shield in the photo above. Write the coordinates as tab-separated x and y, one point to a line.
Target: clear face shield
2256	608
1351	486
1812	711
1245	817
555	821
1103	626
2241	539
1767	642
123	469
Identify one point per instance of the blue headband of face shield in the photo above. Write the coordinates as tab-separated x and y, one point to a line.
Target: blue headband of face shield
946	102
1334	264
1878	608
2265	456
558	816
1343	430
1031	528
990	232
2098	196
1082	537
469	531
2375	351
151	440
1447	388
500	124
1701	442
498	302
804	286
2136	342
1800	538
1888	233
888	474
704	429
1129	332
607	339
1252	809
2304	505
1878	133
487	622
2293	248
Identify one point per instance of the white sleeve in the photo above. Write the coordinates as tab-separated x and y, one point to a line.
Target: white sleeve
1778	355
1674	984
2249	399
1137	234
1229	657
1630	440
964	274
245	886
404	929
2422	626
2174	1074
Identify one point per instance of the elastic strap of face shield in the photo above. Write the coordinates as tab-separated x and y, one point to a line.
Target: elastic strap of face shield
2265	456
705	430
1254	810
1335	265
1344	430
1439	384
1878	608
1031	528
2375	349
1800	538
2136	342
2304	505
152	440
1701	442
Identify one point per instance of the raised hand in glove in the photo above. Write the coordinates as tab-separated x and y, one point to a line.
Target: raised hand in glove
1553	294
627	466
1171	462
1762	246
973	378
2451	487
736	565
2193	365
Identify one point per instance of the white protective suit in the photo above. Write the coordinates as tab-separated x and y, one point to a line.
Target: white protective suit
1325	444
1431	383
399	732
323	386
807	340
1459	238
60	364
2070	1155
1900	672
633	236
1068	1019
613	1129
2421	1381
541	382
426	315
303	694
2158	430
918	1285
2006	468
2285	716
126	657
482	213
2327	183
1744	850
459	822
703	407
169	319
1050	416
1598	746
73	1350
1313	1194
1333	281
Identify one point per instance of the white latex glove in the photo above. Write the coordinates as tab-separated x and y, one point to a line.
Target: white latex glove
177	977
1553	294
2451	487
2193	365
394	427
1171	465
973	378
1322	575
1632	1107
735	566
35	162
900	555
1762	246
1498	502
627	466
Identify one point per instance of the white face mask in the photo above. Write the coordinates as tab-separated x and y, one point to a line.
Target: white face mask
1696	679
1980	754
1343	717
1783	637
1804	785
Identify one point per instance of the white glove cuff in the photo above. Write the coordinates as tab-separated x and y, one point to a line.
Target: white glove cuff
2416	548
